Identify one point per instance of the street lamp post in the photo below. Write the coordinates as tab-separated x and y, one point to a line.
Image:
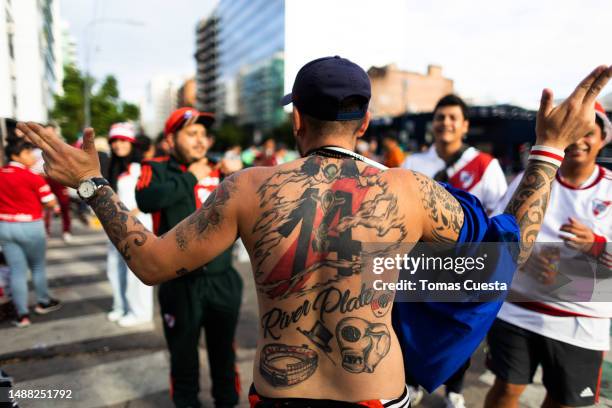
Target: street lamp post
87	82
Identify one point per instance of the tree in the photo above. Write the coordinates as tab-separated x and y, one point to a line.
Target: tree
106	106
229	134
284	133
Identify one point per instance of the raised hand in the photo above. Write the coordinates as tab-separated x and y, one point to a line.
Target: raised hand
556	127
563	125
63	163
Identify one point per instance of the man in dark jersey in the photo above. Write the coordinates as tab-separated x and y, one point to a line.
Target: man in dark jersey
171	188
304	223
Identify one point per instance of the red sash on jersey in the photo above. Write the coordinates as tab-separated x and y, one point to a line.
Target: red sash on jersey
547	309
471	173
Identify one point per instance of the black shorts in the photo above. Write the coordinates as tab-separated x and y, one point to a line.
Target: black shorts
571	374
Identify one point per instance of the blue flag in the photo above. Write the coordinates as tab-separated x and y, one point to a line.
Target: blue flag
437	338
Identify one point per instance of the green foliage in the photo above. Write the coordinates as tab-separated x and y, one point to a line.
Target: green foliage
229	134
284	133
106	106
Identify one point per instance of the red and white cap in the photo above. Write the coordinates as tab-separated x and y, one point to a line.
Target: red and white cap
187	116
601	113
123	131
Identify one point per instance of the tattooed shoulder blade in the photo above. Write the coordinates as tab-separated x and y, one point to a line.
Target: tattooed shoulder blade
298	234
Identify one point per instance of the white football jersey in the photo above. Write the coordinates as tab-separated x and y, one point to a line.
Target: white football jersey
583	324
126	190
475	172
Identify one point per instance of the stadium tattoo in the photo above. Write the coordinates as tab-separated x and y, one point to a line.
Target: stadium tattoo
114	216
362	344
282	365
529	202
209	216
324	217
441	208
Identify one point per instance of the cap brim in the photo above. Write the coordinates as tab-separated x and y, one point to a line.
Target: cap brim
287	99
205	119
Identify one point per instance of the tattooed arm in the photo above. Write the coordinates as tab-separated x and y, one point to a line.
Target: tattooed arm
192	243
556	127
529	202
443	213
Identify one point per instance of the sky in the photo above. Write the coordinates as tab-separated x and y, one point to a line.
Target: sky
157	37
495	51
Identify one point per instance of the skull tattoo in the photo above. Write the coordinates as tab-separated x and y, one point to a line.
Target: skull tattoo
362	344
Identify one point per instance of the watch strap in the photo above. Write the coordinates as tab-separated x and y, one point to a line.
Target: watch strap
100	181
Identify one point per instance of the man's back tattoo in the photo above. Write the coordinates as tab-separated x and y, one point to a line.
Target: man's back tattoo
332	206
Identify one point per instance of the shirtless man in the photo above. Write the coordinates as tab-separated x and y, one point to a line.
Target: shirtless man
303	224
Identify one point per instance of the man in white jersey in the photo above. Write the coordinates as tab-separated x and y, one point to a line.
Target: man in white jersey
451	161
567	338
463	167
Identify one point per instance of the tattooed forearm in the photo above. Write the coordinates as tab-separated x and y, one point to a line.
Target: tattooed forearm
209	216
442	208
115	217
181	236
529	202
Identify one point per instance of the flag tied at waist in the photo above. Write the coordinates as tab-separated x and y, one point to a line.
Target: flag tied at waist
437	338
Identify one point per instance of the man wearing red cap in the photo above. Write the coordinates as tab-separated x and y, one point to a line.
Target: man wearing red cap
567	337
172	188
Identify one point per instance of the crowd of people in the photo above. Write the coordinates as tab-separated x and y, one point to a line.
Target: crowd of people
163	183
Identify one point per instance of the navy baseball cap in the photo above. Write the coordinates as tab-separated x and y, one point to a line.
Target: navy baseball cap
321	85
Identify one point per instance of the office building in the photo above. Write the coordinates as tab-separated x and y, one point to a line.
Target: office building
30	61
240	61
249	51
395	91
186	94
160	100
207	65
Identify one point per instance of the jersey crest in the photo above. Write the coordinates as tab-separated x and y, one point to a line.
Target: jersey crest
600	207
466	178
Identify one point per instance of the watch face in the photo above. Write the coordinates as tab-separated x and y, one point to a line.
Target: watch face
87	189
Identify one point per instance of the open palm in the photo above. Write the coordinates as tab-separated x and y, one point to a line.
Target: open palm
63	163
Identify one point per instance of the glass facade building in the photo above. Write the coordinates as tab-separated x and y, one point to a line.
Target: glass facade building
260	88
248	67
47	50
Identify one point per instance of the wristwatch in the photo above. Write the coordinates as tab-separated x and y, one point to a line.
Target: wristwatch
88	188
